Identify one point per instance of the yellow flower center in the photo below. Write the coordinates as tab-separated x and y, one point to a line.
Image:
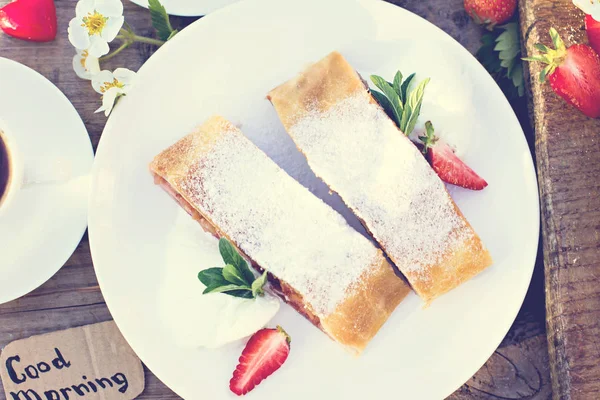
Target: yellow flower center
84	56
108	85
94	23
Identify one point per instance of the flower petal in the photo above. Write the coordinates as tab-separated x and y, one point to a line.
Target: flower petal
80	69
84	7
92	65
108	100
126	76
100	79
112	28
110	8
98	46
78	35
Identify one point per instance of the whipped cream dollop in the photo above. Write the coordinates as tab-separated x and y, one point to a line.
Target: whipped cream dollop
211	320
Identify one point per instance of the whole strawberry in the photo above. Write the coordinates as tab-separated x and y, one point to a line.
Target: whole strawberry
592	28
265	353
573	73
33	20
490	12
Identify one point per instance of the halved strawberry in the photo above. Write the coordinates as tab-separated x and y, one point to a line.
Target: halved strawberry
446	164
264	353
33	20
592	27
573	73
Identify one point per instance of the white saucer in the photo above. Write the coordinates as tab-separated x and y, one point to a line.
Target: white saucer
44	222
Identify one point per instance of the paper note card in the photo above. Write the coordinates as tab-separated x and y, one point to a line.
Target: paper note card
89	362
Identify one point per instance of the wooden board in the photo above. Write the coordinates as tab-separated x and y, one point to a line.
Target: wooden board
568	163
517	370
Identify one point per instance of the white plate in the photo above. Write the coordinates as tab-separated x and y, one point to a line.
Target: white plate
147	252
189	8
44	222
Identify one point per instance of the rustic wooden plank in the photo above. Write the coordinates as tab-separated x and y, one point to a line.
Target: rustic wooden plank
568	161
72	297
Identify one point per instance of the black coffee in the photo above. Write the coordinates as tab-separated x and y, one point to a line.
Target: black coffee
4	168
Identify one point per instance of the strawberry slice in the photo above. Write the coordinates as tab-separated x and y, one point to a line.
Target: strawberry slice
33	20
592	27
264	353
447	165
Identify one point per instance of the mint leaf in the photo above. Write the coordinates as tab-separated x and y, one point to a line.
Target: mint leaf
404	87
231	274
384	103
212	276
415	100
231	256
258	284
398	85
391	95
160	20
225	288
245	293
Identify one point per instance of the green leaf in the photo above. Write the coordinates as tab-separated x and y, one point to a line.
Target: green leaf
559	45
404	87
429	139
415	100
541	47
212	276
245	293
385	104
390	93
398	84
517	75
231	256
233	275
160	20
225	288
257	285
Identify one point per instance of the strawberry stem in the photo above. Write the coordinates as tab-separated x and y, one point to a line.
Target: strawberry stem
114	53
552	57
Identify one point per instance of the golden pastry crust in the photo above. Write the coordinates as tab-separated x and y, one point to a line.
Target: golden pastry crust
356	319
318	89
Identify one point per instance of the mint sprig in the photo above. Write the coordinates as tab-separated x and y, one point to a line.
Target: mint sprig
402	105
160	20
235	279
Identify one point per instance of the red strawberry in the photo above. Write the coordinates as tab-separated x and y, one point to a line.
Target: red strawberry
490	12
447	165
574	73
592	27
33	20
264	353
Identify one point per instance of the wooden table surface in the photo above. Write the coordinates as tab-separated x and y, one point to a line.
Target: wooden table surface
518	369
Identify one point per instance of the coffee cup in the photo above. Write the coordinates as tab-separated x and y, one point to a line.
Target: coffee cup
17	173
12	177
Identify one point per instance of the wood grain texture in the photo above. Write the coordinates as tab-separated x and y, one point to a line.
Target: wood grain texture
517	370
568	161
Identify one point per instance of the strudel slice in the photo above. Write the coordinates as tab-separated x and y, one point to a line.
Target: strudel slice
358	151
317	263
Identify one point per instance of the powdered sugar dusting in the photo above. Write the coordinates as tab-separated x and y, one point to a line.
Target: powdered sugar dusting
279	223
380	174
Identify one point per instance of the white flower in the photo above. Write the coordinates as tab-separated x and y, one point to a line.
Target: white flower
85	65
96	23
112	86
591	7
